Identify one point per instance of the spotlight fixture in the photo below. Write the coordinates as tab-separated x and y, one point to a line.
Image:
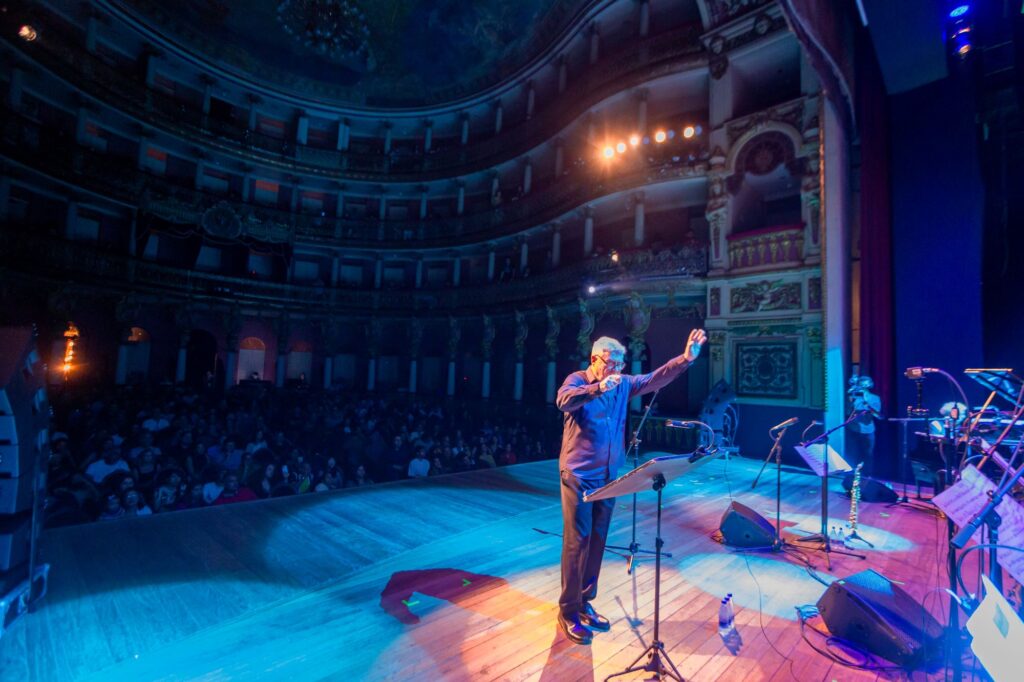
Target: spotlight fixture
689	131
634	140
609	152
615	256
959	30
959	11
620	147
660	136
27	33
591	289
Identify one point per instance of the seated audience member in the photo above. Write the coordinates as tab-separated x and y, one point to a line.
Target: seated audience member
134	504
112	508
234	492
111	461
359	478
145	443
229	457
419	467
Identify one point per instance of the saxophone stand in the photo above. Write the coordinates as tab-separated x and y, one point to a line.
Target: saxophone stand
821	467
633	553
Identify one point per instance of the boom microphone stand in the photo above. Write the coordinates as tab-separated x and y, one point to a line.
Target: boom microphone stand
630	553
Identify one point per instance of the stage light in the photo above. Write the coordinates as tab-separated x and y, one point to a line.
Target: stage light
689	132
634	140
671	134
615	256
27	33
659	136
620	147
608	152
959	11
698	130
591	289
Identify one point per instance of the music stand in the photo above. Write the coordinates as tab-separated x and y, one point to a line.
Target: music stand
655	474
821	459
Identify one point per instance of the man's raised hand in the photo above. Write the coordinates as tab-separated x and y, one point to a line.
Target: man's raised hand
697	339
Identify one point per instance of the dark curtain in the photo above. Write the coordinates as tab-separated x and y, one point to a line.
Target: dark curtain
876	309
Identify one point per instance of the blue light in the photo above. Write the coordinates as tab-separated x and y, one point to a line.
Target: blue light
959	11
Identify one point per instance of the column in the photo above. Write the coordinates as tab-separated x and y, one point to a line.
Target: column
179	368
556	246
81	121
15	88
200	171
591	127
387	137
563	74
378	273
247	187
253	101
90	33
423	202
518	387
294	201
549	393
499	112
464	135
527	175
588	230
490	264
344	135
71	218
595	43
456	270
281	364
382	208
450	389
524	255
638	219
641	112
150	57
231	370
645	18
207	93
559	157
495	186
121	373
428	135
335	270
413	371
419	272
328	369
140	153
485	384
531	99
460	202
302	130
371	374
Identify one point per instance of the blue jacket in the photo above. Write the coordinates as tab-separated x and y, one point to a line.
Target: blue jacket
593	423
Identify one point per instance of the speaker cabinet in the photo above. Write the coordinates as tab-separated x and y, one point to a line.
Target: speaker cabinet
743	527
870	610
24	411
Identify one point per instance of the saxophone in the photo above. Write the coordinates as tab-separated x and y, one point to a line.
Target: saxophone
855	497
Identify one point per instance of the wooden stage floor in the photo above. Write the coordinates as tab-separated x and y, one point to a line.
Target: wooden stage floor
451	578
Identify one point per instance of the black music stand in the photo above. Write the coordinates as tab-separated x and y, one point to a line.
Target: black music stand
819	462
655	474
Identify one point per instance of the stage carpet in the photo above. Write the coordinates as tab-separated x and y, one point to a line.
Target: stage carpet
451	578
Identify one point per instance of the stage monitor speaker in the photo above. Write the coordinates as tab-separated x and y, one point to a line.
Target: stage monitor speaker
743	527
870	610
871	490
24	411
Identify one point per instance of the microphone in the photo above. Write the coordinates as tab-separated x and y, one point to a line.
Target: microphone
786	424
917	373
680	424
817	423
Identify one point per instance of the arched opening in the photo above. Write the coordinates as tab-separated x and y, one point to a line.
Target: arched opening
200	358
252	355
300	363
137	356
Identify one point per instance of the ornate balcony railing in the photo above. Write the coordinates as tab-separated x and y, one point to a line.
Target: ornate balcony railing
59	50
24	251
768	248
48	150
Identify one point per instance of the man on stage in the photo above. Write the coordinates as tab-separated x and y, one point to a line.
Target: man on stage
594	403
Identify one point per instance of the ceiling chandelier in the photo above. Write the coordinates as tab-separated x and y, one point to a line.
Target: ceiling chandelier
334	29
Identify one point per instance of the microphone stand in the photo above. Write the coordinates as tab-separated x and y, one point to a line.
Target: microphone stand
822	537
634	547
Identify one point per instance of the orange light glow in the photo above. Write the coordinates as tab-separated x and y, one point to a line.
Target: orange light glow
660	136
609	152
27	33
689	132
634	140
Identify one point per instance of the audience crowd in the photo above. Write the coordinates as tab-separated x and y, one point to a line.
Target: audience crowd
139	451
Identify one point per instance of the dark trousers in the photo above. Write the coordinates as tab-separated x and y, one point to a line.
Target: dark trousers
862	449
584	532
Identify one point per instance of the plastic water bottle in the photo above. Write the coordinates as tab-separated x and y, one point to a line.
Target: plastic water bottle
724	624
842	537
732	614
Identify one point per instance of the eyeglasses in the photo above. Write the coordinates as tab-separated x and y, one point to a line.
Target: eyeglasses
614	364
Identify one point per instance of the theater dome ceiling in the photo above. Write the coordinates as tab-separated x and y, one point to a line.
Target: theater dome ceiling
383	53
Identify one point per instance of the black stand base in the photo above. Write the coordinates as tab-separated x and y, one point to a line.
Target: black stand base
657	657
825	546
854	535
632	554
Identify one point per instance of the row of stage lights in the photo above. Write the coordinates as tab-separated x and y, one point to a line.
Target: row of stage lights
660	136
